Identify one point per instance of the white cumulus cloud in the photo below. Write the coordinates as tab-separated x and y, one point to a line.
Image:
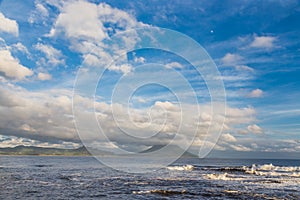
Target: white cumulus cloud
86	32
8	25
83	26
124	68
263	42
10	67
231	59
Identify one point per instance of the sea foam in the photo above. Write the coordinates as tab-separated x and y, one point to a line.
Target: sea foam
181	168
271	170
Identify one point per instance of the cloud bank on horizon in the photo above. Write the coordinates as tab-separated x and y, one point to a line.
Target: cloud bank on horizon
255	45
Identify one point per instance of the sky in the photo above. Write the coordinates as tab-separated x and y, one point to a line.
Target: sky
151	73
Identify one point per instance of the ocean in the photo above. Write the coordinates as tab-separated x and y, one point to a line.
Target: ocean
60	177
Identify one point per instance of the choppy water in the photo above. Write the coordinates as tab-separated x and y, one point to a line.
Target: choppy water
34	177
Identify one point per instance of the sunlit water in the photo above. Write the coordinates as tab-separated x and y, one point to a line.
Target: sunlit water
38	177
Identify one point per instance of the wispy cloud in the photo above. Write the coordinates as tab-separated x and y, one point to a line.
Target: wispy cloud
40	13
53	56
174	65
244	68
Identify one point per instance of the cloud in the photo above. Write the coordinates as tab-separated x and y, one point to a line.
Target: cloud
229	142
240	148
227	137
254	129
8	99
164	117
258	144
256	93
28	128
124	68
10	67
44	76
174	65
20	47
233	78
231	59
240	115
41	115
47	116
263	42
42	10
244	68
87	32
286	112
83	26
8	25
273	145
40	13
139	59
54	57
56	3
16	141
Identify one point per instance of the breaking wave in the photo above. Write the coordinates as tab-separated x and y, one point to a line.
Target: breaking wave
271	170
269	173
181	168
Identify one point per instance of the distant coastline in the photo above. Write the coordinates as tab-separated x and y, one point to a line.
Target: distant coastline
43	151
82	151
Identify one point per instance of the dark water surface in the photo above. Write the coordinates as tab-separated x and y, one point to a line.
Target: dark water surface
57	177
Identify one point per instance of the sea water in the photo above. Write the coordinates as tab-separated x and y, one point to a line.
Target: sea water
59	177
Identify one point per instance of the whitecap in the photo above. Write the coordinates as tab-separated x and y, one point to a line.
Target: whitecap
223	177
271	170
181	168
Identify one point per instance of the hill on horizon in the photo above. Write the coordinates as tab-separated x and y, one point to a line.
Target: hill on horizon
34	150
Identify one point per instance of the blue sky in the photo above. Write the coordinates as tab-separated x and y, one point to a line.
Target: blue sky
255	46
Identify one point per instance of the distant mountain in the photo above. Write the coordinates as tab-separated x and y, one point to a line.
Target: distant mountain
45	151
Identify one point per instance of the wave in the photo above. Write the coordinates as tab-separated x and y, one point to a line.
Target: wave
227	169
260	170
271	170
181	168
223	177
268	172
161	192
70	177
